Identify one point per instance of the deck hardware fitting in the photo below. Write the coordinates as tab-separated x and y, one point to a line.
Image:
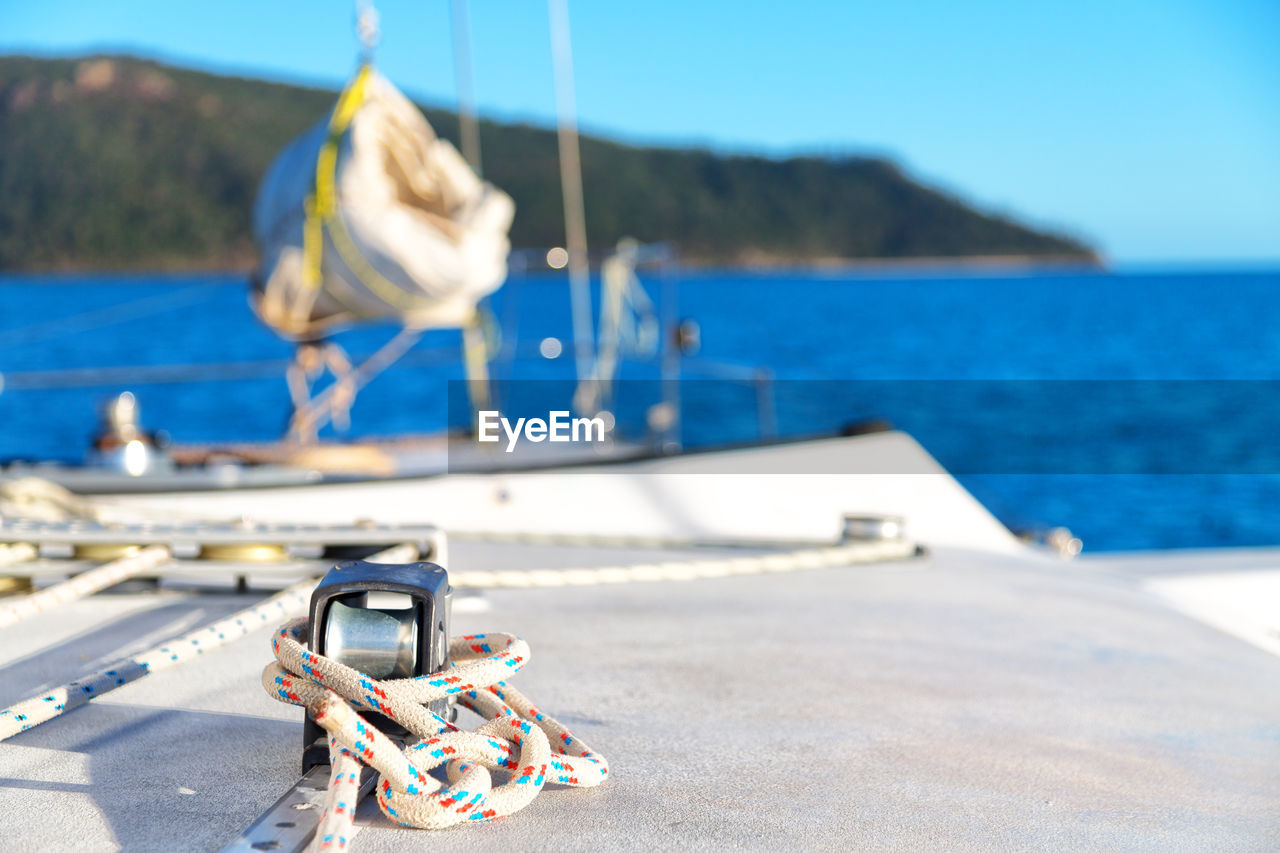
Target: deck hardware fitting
104	551
872	528
248	552
285	826
404	641
14	585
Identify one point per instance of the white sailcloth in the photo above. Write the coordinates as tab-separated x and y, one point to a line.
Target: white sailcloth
368	215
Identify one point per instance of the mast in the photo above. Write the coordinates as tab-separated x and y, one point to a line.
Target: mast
475	359
367	30
468	123
575	220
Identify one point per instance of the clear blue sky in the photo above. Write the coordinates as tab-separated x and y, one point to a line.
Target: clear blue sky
1151	127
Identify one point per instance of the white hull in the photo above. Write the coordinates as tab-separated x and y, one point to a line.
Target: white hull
797	491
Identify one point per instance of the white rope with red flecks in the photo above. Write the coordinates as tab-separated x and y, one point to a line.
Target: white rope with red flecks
517	738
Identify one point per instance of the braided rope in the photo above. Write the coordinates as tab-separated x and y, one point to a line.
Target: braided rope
83	584
616	540
517	737
334	830
285	604
17	552
685	570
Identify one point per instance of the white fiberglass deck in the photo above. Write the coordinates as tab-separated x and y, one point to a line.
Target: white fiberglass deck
963	700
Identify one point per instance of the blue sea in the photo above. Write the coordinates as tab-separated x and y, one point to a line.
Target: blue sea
1137	408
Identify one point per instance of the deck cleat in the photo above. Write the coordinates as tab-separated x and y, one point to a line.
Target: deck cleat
388	621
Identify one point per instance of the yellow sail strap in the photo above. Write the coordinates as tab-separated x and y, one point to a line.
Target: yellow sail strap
322	213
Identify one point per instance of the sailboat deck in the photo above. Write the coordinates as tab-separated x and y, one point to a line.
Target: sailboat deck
961	699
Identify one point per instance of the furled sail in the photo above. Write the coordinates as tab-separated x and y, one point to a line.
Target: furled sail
369	216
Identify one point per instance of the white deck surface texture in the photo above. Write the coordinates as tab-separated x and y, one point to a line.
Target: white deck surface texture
964	700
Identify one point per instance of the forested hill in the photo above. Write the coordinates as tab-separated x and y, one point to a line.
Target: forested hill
115	162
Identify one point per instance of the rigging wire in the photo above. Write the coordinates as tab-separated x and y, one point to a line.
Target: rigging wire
101	317
161	374
323	407
208	371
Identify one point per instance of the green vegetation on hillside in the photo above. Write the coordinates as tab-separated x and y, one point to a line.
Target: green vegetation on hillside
118	162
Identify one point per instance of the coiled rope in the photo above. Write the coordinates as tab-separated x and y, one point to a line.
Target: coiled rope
17	552
38	499
518	735
517	738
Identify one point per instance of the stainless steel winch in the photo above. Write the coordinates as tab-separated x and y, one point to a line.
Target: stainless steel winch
388	621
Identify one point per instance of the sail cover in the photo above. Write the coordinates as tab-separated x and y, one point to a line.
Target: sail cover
369	216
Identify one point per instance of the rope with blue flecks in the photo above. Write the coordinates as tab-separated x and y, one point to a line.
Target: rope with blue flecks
58	701
517	738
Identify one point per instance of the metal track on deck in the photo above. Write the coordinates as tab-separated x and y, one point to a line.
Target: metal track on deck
79	532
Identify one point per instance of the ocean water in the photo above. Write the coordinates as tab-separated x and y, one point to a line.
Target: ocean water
1139	409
